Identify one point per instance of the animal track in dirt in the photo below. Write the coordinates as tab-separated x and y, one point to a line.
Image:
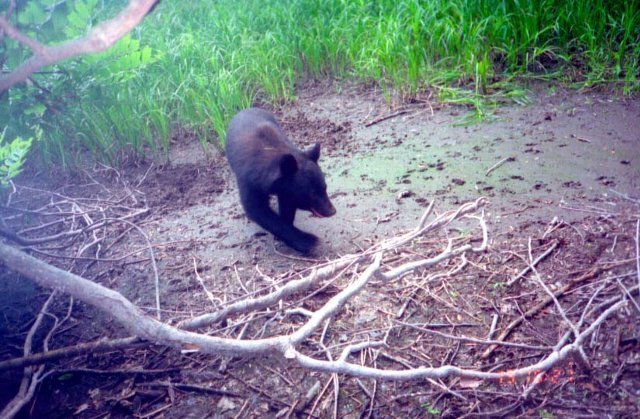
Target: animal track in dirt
170	187
304	130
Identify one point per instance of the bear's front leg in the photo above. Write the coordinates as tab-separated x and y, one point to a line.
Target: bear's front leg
257	208
286	209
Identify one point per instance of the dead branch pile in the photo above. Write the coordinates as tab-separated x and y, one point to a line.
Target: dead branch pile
436	303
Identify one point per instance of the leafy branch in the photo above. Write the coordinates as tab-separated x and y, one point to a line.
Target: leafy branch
100	38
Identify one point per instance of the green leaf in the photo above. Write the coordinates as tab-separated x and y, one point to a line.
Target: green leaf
82	10
12	156
32	14
37	110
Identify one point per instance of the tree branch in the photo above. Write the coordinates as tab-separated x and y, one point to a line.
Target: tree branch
98	39
289	345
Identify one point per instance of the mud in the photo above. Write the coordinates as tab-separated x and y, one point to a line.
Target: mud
570	156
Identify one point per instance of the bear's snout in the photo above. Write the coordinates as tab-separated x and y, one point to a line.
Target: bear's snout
325	211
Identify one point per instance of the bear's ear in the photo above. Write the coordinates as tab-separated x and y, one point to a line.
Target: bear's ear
313	152
288	165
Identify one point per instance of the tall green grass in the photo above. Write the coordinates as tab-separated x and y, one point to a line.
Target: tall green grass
211	58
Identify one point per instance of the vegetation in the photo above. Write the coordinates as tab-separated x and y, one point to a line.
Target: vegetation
12	155
194	64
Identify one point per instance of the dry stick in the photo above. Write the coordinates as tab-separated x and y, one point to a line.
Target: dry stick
500	163
373	396
99	346
192	387
638	252
302	404
38	227
31	378
23	241
430	278
422	328
150	329
208	293
153	261
262	302
535	309
319	397
241	414
626	196
585	312
492	329
533	264
446	254
155	413
546	289
577	137
131	371
385	117
628	294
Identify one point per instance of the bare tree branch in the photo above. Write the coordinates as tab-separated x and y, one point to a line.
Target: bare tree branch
289	345
98	39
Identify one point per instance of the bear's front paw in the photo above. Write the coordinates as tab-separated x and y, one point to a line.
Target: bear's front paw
303	242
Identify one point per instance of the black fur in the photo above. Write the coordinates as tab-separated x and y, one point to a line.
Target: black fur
266	163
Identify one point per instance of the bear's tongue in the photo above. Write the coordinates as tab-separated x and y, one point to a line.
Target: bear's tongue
316	213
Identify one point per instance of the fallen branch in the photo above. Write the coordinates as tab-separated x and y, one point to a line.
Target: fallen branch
592	273
288	345
329	269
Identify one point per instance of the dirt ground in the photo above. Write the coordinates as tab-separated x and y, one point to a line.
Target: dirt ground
563	171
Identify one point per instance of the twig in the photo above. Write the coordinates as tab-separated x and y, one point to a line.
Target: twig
546	289
626	196
500	163
593	272
638	252
385	117
208	293
191	387
532	264
153	261
101	345
473	340
155	412
309	396
319	397
31	377
628	294
584	140
492	329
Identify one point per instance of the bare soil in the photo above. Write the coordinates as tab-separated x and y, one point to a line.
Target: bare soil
569	174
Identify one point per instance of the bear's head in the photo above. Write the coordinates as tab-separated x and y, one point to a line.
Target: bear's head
302	182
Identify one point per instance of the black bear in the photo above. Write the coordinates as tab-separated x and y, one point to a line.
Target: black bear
266	163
